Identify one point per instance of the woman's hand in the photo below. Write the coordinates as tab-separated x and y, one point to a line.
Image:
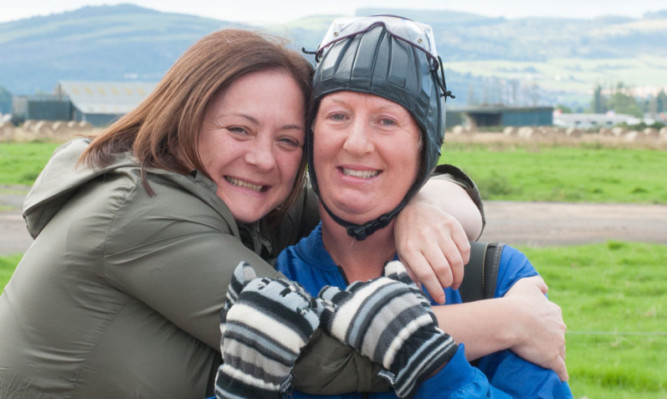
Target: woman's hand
433	246
540	329
430	241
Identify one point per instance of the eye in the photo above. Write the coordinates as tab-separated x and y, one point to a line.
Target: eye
388	122
385	122
290	142
237	130
337	116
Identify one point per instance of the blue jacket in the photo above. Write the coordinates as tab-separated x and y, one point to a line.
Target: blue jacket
499	375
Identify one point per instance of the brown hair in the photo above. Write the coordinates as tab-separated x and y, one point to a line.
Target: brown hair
169	120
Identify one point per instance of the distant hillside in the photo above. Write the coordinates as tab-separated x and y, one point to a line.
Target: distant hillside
530	61
465	36
127	42
95	43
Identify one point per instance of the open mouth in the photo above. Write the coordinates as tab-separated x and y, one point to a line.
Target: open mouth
240	183
363	174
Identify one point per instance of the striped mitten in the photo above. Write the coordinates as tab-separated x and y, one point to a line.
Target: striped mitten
241	276
396	271
386	320
263	333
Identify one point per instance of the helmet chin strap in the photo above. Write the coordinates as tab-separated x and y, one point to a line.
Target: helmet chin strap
361	231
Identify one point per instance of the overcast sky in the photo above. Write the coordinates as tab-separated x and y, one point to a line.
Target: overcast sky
271	11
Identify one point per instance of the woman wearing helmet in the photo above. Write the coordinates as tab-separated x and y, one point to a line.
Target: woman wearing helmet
376	133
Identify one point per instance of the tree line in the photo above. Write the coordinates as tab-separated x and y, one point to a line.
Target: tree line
621	100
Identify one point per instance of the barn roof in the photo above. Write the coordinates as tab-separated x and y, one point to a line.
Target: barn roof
92	97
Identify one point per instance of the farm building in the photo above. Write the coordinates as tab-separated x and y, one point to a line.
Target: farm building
585	121
500	116
41	107
98	103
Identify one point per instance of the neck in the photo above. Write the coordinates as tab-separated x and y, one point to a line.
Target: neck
360	260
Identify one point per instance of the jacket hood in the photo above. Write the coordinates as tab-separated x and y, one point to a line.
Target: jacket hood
61	177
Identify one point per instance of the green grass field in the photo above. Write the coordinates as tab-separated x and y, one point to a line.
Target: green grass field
20	163
564	174
613	295
514	174
7	266
614	298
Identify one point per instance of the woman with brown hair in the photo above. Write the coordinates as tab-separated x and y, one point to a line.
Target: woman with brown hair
137	233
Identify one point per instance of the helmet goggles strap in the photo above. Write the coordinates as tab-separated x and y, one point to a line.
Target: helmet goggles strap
415	34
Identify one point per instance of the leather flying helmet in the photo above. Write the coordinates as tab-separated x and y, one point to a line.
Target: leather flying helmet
394	58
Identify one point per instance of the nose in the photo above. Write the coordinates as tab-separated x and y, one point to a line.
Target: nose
260	154
358	139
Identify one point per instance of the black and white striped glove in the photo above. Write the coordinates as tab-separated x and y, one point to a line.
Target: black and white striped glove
263	332
242	275
390	321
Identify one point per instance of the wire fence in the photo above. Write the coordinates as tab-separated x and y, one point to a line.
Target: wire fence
648	333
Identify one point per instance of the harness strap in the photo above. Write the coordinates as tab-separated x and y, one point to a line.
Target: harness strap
481	271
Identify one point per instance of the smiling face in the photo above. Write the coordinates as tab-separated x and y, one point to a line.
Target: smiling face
366	154
251	143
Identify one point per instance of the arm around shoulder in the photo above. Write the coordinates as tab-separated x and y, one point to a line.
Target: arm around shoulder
463	198
433	231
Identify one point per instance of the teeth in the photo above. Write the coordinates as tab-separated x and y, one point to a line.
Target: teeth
364	174
241	183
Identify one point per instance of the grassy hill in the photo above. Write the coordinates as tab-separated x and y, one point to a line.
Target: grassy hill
95	43
544	60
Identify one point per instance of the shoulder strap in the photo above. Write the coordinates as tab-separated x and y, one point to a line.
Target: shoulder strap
481	272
